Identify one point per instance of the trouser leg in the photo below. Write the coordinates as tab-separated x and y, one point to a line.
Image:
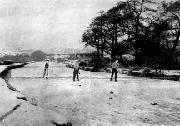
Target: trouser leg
112	74
44	72
115	74
74	75
47	72
77	73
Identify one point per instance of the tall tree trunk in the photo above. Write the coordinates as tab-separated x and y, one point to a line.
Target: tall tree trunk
115	44
136	40
102	48
102	43
175	43
113	56
99	61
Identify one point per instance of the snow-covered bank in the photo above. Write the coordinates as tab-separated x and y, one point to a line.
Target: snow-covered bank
6	73
8	102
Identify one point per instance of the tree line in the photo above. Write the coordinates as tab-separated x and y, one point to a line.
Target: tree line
23	58
149	30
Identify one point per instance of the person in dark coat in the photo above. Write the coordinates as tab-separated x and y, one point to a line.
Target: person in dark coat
46	67
115	66
76	71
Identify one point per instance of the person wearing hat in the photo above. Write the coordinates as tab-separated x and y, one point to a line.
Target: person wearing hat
45	74
115	66
76	71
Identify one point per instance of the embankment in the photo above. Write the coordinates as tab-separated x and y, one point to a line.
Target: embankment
6	74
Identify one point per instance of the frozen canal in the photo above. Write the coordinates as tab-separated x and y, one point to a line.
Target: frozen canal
93	101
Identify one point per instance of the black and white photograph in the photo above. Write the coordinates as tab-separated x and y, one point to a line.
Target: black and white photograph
89	62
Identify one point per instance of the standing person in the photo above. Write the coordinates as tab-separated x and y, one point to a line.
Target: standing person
115	65
76	71
45	74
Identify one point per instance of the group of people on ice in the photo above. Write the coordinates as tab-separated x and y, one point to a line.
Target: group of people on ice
76	71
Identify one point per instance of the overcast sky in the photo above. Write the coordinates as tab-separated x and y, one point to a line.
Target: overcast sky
43	24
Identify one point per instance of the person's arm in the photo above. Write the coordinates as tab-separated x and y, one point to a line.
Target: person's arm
111	65
79	70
